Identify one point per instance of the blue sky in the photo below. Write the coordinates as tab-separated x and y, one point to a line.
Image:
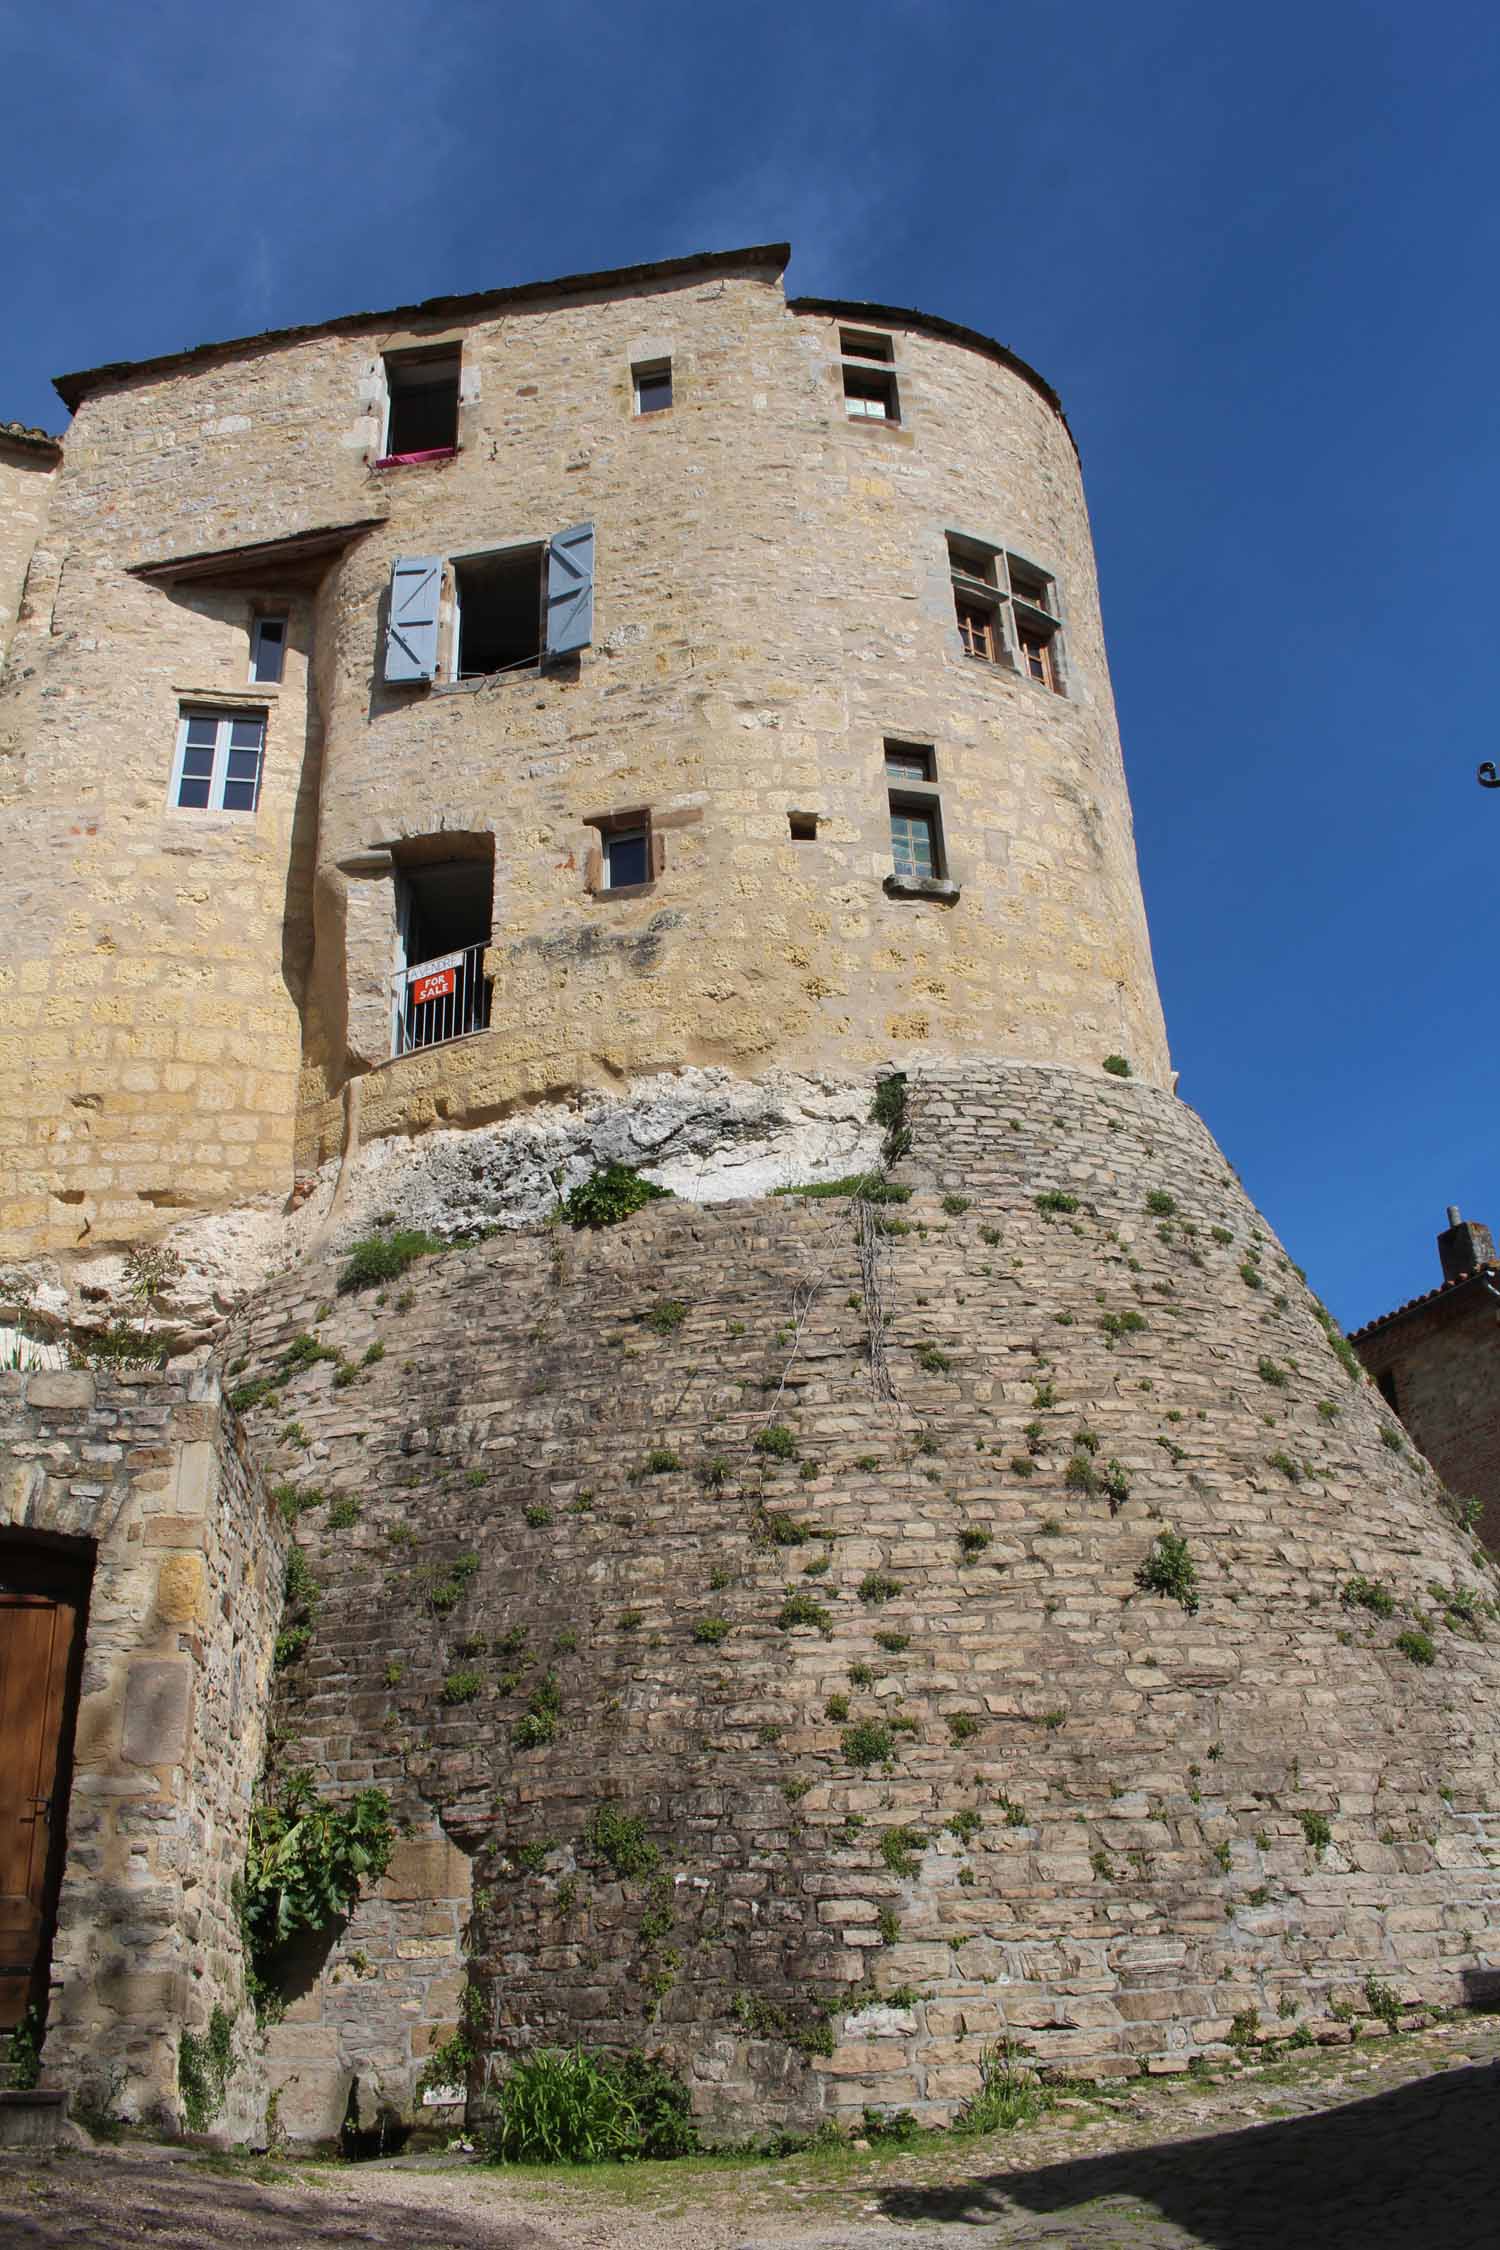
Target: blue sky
1256	250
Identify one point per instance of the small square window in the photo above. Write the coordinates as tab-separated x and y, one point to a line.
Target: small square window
422	410
652	384
267	650
220	755
860	343
908	761
803	827
870	396
627	857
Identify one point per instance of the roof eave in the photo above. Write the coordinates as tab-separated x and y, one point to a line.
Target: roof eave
72	389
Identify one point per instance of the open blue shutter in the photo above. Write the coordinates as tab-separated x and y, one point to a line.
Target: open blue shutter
570	590
411	634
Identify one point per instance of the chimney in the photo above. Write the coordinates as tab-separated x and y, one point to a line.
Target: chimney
1464	1246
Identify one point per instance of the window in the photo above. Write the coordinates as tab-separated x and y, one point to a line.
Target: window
652	384
1385	1383
509	608
218	762
918	860
628	855
444	921
422	403
267	650
497	611
869	373
803	826
986	582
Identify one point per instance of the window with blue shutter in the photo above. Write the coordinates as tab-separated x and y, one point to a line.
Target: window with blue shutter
570	590
411	634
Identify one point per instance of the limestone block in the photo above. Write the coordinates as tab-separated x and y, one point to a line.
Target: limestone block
180	1587
158	1712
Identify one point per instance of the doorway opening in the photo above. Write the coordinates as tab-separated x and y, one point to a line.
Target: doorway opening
445	893
44	1586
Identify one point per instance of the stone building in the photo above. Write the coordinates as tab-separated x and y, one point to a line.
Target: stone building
1436	1362
631	719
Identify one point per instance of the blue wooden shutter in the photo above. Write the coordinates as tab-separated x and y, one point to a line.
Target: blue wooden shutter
411	634
570	590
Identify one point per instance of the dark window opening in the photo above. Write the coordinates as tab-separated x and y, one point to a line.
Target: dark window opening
268	650
860	343
803	826
445	914
1385	1383
968	561
908	761
870	396
627	857
423	415
499	621
653	386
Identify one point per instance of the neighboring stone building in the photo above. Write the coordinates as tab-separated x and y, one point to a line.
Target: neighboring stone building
630	719
1436	1362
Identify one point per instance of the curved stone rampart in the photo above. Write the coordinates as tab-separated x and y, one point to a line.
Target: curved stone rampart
977	1780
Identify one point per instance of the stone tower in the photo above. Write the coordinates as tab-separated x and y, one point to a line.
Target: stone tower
815	1635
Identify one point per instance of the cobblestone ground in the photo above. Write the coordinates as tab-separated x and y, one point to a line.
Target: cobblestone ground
1364	2147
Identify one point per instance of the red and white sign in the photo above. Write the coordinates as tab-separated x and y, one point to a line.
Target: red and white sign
434	980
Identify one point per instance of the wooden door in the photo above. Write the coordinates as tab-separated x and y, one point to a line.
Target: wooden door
37	1635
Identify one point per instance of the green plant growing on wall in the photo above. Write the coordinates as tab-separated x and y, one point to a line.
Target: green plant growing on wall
538	1724
620	1840
1416	1646
301	1595
800	1608
1056	1202
901	1848
710	1631
609	1195
777	1442
933	1361
573	2106
888	1110
204	2068
1169	1570
1117	1066
1368	1593
306	1860
665	1317
343	1514
869	1742
445	1588
385	1257
1317	1832
972	1542
962	1726
802	2026
21	2060
460	1687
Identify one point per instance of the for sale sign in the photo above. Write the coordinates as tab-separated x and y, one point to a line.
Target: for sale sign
433	984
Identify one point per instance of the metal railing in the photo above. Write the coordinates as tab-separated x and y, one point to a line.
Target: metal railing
446	998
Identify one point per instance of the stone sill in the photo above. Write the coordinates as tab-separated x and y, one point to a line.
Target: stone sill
623	890
922	886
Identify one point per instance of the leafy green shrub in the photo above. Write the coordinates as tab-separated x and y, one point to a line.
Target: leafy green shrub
869	1742
385	1257
870	1187
571	2106
1055	1199
290	1643
801	1609
777	1441
1391	1438
620	1840
1080	1475
1368	1593
203	2070
972	1542
1117	1066
964	1825
1118	1324
1160	1204
1010	2094
21	2061
608	1196
538	1724
836	1708
711	1630
1269	1372
1290	1469
1418	1647
962	1726
305	1351
893	1642
780	1529
1382	2002
445	1588
306	1860
1251	1275
1338	1343
665	1318
901	1849
1114	1484
460	1687
1169	1570
878	1586
344	1512
934	1361
956	1205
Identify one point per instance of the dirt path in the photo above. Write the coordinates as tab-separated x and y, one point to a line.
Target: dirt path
1382	2146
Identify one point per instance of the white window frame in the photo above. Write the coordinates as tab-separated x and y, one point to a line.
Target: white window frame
646	371
258	625
224	716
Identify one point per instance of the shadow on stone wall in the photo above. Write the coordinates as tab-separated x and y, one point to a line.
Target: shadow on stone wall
1415	2166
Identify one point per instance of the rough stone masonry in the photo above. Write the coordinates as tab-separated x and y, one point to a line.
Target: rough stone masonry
629	717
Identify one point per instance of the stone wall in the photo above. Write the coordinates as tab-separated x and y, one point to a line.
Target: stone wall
1444	1360
557	1553
28	460
188	1561
773	602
